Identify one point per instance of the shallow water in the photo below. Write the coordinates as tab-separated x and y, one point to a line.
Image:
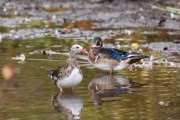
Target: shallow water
143	94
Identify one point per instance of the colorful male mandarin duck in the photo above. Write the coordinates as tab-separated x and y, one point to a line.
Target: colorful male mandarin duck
111	59
68	75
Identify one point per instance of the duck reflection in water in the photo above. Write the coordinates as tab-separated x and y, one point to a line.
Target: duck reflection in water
110	86
69	104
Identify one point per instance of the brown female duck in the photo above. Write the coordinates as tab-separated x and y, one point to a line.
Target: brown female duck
68	75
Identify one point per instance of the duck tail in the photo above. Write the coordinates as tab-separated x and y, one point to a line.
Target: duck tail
135	57
49	72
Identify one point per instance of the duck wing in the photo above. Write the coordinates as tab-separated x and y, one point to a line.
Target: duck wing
110	53
117	54
59	73
121	55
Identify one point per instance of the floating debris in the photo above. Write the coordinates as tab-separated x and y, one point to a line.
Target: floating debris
146	63
161	103
128	32
22	57
49	53
154	62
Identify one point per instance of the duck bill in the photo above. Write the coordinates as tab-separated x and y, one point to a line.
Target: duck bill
84	51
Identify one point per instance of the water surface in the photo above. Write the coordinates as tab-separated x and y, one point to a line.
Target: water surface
142	94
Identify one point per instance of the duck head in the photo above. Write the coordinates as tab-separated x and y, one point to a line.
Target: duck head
76	49
97	42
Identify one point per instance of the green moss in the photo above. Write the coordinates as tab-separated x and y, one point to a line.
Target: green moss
35	23
9	16
51	24
54	9
11	10
31	24
84	24
4	29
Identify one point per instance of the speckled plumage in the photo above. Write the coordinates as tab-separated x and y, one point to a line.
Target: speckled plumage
68	75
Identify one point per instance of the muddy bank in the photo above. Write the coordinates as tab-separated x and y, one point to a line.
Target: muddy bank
85	18
106	14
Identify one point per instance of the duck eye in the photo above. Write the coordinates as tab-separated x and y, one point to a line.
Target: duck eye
77	47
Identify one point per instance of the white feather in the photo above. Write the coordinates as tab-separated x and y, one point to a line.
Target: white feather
72	80
107	67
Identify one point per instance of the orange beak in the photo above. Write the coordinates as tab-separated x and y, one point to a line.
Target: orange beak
84	51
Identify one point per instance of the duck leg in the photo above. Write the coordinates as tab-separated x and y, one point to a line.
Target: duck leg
111	72
61	90
73	89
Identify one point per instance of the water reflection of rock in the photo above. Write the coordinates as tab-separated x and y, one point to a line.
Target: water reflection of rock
68	104
110	86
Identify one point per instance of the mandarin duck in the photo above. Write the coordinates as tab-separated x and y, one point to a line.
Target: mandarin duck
111	59
68	75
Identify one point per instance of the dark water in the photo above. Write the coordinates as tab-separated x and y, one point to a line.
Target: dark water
142	94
